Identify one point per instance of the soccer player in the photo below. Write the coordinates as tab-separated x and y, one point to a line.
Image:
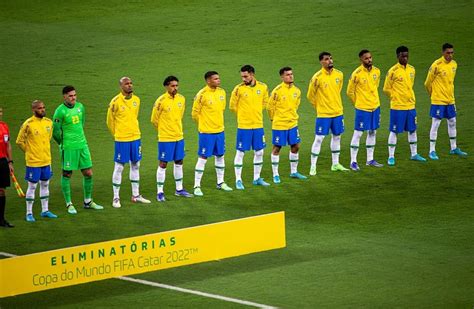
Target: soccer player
248	100
440	86
363	92
398	87
167	116
34	139
208	112
122	121
324	93
282	110
6	167
68	132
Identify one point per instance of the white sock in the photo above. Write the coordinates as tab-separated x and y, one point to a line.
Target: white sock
30	197
199	170
117	179
435	122
392	144
275	161
135	177
178	176
370	144
220	168
316	149
412	140
294	157
335	148
44	195
160	179
355	144
238	162
452	132
257	164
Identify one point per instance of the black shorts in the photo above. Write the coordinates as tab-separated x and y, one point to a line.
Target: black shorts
4	173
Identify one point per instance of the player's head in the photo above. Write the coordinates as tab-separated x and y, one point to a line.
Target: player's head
448	51
286	75
171	83
325	58
402	55
38	108
126	85
247	73
212	79
366	58
69	94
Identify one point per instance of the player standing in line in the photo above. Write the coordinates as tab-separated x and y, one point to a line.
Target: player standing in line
34	139
167	116
398	87
68	132
324	93
440	86
122	121
363	92
208	112
6	166
248	100
282	110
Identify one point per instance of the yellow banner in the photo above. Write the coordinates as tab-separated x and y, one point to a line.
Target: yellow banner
134	255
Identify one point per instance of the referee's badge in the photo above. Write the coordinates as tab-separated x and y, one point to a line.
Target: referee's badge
5	138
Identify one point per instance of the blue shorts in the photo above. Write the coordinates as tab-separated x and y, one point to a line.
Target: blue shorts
250	139
443	111
171	151
336	124
128	151
211	144
286	137
401	121
367	121
34	174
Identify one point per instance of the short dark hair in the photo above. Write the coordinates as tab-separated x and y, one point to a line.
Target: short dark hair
209	74
363	52
68	88
170	79
401	49
322	54
447	45
247	68
285	69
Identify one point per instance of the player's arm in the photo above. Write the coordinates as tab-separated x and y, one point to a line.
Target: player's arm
272	102
311	94
184	108
265	98
351	88
197	107
155	114
430	78
111	118
57	126
22	137
234	100
388	85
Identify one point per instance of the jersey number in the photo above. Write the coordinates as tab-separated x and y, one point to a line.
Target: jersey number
75	119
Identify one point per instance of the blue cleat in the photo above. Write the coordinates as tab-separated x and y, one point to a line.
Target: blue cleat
374	163
276	179
30	218
261	182
183	193
459	152
239	185
391	161
418	158
433	155
48	214
298	176
160	197
355	167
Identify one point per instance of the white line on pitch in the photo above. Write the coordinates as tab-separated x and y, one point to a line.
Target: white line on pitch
175	288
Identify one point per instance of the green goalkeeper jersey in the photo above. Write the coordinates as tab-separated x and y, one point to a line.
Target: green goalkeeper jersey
68	126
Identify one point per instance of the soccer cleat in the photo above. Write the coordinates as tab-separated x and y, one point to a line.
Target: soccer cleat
338	168
224	187
276	179
354	166
391	161
260	182
312	171
374	163
71	209
182	193
418	158
93	205
433	155
30	218
5	223
239	185
140	199
116	203
160	197
298	176
198	191
48	214
459	152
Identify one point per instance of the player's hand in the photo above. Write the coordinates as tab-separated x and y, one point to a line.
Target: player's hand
10	166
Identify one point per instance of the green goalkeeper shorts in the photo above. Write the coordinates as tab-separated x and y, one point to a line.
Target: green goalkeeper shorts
76	159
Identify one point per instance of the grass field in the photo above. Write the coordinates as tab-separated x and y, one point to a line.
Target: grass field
398	236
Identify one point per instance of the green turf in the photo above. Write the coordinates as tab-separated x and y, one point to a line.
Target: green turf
392	237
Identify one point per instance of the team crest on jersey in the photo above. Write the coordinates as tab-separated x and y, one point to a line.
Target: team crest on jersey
78	110
258	92
135	103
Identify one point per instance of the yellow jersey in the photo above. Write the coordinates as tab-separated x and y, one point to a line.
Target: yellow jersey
440	81
167	116
283	105
208	110
122	118
248	102
398	87
34	139
324	93
363	88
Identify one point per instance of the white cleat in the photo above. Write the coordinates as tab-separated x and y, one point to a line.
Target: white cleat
140	199
312	171
116	203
